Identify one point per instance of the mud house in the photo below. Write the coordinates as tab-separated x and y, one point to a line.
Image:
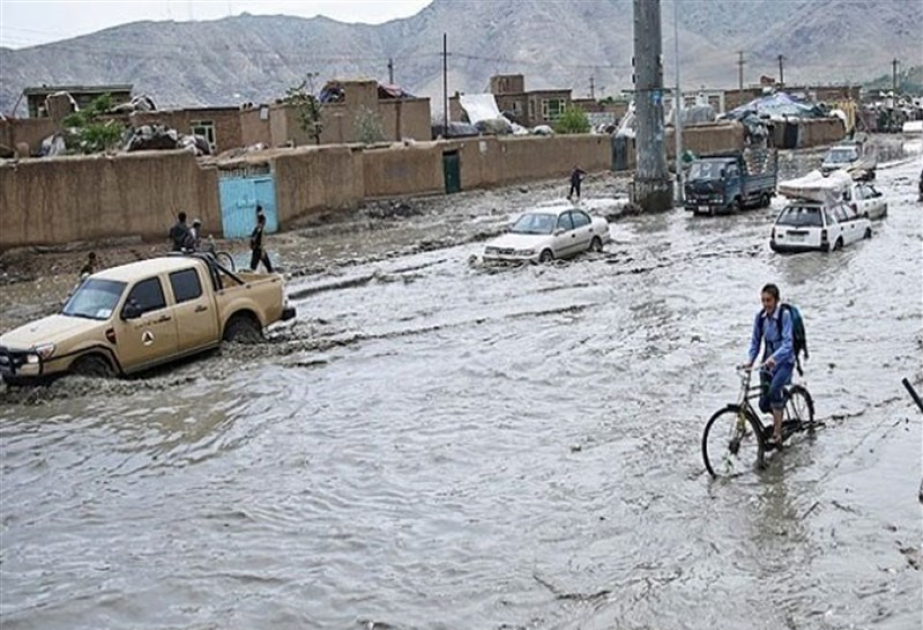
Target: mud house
83	95
351	111
528	108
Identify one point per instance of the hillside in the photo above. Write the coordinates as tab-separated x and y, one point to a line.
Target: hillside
555	43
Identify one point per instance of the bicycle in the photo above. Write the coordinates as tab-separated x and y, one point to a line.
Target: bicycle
735	440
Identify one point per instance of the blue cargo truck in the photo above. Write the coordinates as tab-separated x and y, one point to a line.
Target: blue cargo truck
728	182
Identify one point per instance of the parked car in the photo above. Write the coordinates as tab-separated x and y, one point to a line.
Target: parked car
133	317
547	233
855	157
867	201
805	225
733	181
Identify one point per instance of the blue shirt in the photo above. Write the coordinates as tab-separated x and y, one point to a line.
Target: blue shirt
780	344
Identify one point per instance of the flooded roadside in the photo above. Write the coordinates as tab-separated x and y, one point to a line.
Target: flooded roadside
435	445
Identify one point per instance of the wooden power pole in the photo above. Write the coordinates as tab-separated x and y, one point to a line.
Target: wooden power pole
740	70
781	71
651	188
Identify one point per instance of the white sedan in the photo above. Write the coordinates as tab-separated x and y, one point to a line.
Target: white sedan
811	225
548	233
867	201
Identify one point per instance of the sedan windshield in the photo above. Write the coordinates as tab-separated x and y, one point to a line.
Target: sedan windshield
94	299
801	216
534	223
842	156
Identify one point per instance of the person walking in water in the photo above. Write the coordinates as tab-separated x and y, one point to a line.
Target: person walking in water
576	179
258	252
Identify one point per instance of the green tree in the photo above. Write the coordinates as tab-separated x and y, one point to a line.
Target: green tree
368	126
573	120
89	132
308	108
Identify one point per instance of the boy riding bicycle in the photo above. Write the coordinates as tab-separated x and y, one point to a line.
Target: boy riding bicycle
773	325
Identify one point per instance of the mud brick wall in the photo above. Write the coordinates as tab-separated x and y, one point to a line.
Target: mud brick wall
29	131
707	139
403	171
66	199
820	132
317	178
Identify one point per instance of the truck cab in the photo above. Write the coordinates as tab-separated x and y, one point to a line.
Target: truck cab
729	182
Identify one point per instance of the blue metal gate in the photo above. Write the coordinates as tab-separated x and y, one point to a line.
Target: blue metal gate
240	191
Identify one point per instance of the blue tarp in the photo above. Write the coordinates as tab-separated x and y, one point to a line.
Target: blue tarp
778	105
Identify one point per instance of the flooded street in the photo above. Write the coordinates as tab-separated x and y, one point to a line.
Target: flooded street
435	445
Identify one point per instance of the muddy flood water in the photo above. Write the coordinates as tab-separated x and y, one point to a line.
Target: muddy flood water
434	445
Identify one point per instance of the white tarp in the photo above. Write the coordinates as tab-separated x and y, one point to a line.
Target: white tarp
479	107
816	187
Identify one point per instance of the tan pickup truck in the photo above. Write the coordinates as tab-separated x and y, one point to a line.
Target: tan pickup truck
133	317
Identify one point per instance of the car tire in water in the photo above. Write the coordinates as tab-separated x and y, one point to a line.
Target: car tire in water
92	366
546	256
596	245
738	205
765	200
732	443
868	233
242	328
838	245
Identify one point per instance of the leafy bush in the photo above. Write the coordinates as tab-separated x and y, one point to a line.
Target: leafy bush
573	120
308	108
368	126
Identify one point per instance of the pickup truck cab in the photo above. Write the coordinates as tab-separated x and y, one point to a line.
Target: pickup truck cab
729	182
133	317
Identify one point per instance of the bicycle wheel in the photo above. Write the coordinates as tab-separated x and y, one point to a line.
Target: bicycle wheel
800	405
226	260
732	443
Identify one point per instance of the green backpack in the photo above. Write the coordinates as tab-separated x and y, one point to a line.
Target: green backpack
799	334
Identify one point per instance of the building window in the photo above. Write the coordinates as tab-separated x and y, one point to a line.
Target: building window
206	129
553	108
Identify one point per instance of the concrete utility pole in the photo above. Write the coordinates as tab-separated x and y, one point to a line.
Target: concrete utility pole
894	76
781	71
390	71
678	105
651	188
445	84
592	88
740	70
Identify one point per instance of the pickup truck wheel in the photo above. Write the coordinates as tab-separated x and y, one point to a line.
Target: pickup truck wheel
765	200
243	329
596	245
92	366
738	205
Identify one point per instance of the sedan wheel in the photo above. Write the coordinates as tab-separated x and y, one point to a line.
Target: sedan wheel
596	245
546	257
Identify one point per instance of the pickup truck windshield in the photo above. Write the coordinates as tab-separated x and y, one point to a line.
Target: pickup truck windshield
706	170
801	216
534	223
94	299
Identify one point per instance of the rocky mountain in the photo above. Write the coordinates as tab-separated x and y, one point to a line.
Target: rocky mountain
555	43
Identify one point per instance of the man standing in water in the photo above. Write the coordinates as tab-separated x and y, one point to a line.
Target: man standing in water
773	325
259	254
576	179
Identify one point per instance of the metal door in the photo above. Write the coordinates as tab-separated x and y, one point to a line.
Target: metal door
240	193
452	169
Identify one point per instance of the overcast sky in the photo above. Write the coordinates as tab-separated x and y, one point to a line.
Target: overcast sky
31	22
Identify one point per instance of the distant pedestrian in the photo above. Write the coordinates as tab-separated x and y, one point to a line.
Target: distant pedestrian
259	254
576	179
179	233
194	239
89	268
